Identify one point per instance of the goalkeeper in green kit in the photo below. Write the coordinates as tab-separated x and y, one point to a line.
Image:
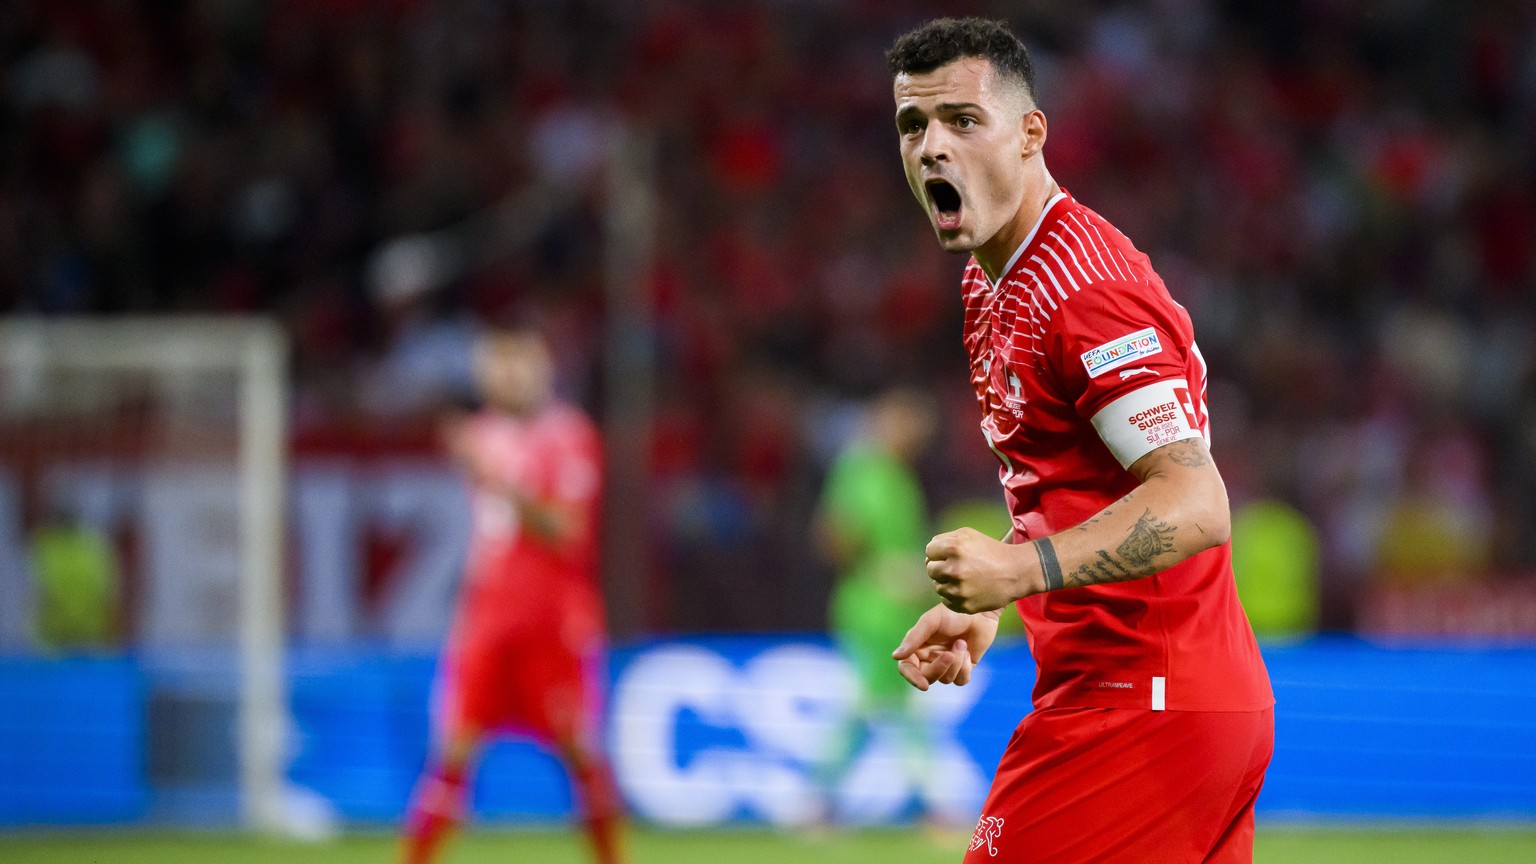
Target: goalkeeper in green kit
872	523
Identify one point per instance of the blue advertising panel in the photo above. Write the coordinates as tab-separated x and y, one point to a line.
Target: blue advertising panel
72	741
709	731
715	730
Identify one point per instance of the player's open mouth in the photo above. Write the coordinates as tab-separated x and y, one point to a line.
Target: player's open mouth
946	204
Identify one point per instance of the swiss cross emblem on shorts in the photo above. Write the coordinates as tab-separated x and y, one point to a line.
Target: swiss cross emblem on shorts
1188	404
987	831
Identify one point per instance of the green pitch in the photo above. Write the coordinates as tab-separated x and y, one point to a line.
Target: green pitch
1274	846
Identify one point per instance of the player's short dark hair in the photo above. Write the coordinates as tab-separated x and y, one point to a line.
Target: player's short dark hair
944	40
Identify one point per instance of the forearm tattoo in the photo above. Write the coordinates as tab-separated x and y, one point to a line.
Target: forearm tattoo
1136	556
1049	566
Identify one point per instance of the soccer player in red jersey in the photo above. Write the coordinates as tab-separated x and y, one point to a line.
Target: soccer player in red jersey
524	652
1153	721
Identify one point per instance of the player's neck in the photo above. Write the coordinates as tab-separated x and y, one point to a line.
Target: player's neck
996	254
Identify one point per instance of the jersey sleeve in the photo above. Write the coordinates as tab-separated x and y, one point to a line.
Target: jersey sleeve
1121	355
577	470
573	478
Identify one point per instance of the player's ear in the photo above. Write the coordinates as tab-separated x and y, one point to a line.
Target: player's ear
1034	133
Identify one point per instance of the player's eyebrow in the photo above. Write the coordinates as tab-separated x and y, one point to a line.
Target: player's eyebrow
941	108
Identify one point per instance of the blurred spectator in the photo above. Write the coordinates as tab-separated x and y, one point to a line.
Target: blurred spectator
1368	271
78	589
1439	528
1275	562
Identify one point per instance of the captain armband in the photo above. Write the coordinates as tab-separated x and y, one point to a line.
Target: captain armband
1146	419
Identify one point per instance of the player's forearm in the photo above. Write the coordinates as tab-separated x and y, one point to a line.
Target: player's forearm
1178	510
549	521
1160	523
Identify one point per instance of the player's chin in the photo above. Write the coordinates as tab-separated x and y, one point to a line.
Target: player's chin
954	240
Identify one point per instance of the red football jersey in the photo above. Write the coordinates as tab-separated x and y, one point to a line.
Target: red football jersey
513	574
1083	364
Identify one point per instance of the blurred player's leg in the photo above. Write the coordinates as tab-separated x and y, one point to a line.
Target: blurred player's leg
570	705
865	623
849	739
437	805
597	798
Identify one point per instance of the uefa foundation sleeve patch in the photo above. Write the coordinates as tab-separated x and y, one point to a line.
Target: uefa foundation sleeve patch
1146	419
1118	352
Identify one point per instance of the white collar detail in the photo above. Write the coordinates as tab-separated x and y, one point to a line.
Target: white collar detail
1008	268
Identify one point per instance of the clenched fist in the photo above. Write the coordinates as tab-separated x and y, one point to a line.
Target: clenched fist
972	572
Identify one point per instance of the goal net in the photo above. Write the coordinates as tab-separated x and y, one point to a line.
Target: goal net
141	503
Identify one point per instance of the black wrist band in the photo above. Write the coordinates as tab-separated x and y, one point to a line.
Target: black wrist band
1049	566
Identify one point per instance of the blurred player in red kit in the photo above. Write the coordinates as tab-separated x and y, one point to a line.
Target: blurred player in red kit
524	653
1153	721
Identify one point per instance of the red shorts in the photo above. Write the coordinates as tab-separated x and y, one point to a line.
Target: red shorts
522	682
1079	785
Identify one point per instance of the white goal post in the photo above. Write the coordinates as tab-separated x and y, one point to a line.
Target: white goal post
35	353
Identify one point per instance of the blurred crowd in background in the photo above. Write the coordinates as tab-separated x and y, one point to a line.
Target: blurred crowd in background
1343	194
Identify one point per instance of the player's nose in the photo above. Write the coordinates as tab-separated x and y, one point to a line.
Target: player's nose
935	145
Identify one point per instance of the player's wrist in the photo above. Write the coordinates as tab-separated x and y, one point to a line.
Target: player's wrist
1026	574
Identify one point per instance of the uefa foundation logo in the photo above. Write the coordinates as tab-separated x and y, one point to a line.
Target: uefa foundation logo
1119	352
987	831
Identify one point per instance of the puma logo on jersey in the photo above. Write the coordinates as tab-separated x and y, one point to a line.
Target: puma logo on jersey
988	829
1130	373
